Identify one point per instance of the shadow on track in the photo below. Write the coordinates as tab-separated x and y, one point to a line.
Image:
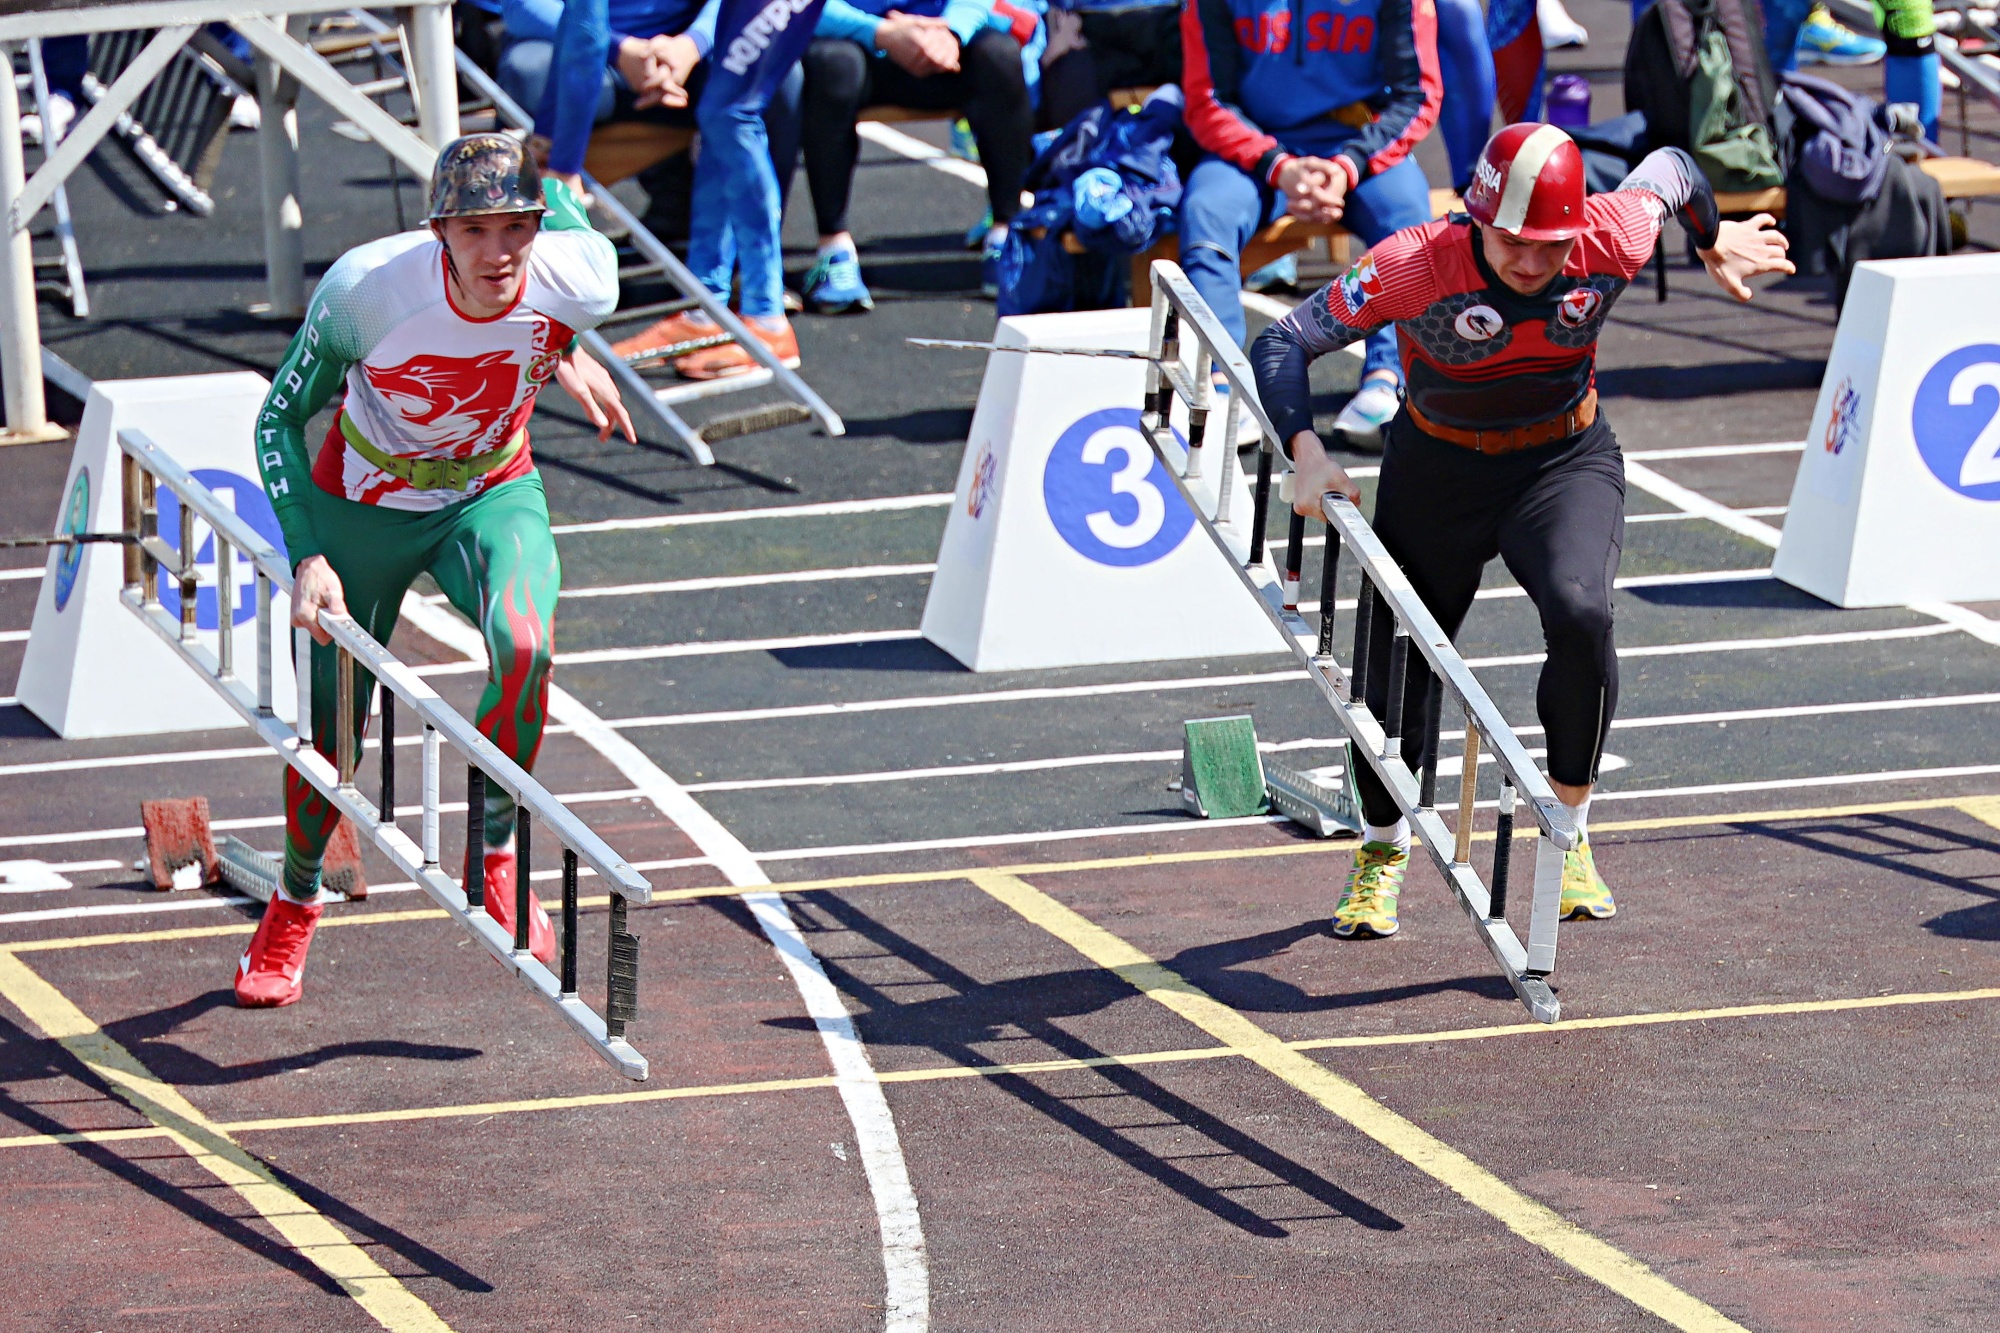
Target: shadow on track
1027	1009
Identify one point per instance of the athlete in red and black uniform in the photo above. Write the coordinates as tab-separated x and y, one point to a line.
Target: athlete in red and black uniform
1498	448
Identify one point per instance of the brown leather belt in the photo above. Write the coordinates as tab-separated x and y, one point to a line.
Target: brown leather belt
1512	439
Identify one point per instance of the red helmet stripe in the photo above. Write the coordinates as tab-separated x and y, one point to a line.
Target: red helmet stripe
1522	175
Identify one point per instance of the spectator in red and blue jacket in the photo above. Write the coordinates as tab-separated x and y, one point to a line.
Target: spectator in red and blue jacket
1312	107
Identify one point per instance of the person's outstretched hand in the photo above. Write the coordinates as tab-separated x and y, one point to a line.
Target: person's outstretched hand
316	588
1744	250
596	392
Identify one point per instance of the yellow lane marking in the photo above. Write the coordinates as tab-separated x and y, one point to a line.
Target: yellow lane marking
1982	807
1527	1218
1053	1066
303	1227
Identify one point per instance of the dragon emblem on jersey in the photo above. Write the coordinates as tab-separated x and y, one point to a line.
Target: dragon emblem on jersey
551	339
1360	284
1577	306
449	398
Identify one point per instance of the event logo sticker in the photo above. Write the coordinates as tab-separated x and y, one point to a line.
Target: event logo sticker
76	518
1843	420
247	498
1956	421
1109	497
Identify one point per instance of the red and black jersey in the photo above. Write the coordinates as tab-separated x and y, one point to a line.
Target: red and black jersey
1478	355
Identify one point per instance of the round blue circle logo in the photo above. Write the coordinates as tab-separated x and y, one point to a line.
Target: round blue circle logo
247	498
1107	494
1956	421
76	518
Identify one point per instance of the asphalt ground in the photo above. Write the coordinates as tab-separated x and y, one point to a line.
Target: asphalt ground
1121	1071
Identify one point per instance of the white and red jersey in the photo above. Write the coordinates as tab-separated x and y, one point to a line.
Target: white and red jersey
424	379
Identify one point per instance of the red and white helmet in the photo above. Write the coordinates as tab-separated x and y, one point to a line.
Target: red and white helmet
1529	183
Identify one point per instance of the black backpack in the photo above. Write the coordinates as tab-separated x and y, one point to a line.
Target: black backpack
1698	72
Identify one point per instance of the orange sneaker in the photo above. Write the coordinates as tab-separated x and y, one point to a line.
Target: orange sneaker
272	970
653	342
500	906
721	362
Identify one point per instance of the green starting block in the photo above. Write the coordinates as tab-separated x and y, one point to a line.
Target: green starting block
1224	776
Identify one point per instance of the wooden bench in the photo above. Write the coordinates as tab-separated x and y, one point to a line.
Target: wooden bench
1958	177
625	148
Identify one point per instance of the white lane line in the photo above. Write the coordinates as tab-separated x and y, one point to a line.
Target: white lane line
906	1271
1754	511
9	701
13	636
31	572
585	657
739	581
916	701
904	145
1013	839
1717	451
276	821
136	760
985	770
1739	645
819	509
1694	502
1635	581
1788	784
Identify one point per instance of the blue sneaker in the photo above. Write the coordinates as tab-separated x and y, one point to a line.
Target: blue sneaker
989	268
1360	424
962	143
1280	275
833	285
975	235
1822	41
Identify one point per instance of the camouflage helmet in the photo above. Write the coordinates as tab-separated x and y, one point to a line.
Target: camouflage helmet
485	173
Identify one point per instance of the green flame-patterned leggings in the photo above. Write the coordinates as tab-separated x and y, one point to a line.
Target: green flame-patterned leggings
495	559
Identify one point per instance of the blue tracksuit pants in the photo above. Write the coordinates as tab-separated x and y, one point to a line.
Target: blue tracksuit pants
1222	208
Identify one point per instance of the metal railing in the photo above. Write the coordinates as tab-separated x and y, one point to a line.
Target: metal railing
1187	341
148	558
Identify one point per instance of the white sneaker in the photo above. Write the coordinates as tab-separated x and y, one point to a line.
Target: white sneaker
245	114
61	111
1558	28
1360	423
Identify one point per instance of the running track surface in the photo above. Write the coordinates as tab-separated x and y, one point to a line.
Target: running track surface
1120	1071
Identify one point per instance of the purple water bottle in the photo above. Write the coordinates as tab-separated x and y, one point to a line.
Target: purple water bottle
1569	101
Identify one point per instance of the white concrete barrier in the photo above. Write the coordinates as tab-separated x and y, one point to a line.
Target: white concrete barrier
91	668
1897	497
1067	544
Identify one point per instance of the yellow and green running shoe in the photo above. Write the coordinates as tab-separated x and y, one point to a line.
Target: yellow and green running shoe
1367	907
1585	894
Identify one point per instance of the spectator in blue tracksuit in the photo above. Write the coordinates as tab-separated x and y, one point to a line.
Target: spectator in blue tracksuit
974	56
1312	107
752	55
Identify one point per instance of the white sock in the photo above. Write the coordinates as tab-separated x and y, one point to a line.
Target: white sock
768	323
1397	833
1580	816
833	248
997	235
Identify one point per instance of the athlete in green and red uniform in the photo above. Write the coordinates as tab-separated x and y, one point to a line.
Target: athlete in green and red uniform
440	340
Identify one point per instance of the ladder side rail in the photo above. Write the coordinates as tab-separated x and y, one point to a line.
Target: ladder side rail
409	687
1523	965
147	468
1387	577
79	294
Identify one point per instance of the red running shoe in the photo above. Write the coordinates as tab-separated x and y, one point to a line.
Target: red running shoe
271	970
500	906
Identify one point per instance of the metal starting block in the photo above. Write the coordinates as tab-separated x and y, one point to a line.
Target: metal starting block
1423	668
1225	776
180	840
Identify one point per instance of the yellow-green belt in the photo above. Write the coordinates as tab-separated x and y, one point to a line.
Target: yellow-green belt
432	474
